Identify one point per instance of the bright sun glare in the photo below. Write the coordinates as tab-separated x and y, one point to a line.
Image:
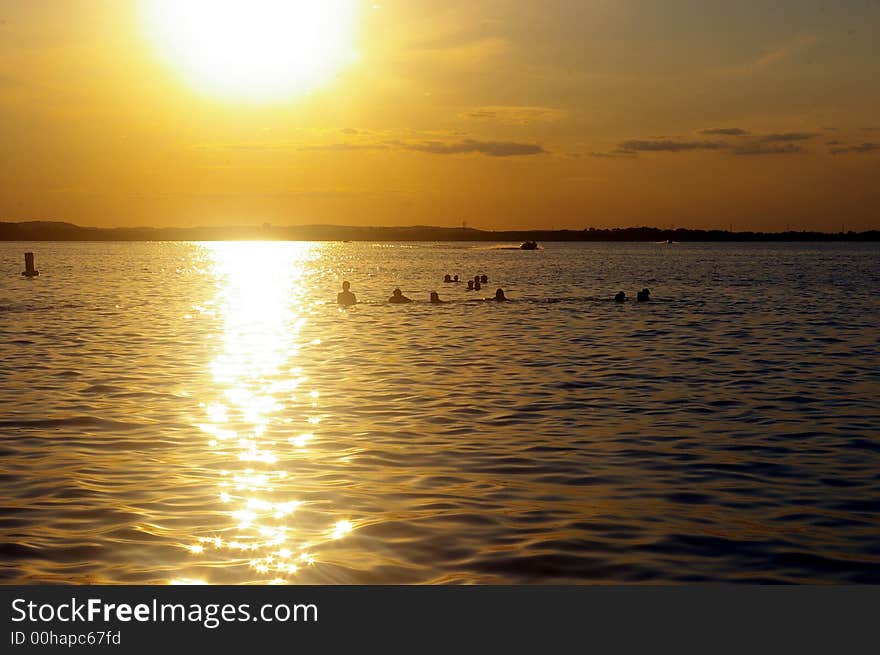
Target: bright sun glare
254	50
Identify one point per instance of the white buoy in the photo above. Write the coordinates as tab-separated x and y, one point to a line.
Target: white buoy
29	270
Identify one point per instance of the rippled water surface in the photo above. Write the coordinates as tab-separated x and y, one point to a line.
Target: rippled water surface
182	412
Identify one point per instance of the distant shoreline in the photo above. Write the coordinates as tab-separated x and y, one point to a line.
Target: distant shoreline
60	231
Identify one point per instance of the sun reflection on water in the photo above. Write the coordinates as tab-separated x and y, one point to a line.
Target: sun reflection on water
253	419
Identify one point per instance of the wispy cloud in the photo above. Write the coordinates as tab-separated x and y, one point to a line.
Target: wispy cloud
436	143
614	154
664	145
339	147
787	137
488	148
777	54
514	115
461	53
775	143
861	148
786	50
765	148
742	142
724	131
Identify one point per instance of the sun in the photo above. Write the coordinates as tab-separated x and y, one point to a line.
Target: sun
254	50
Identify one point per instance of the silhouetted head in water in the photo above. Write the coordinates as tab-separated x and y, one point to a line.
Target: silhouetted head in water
477	285
484	279
447	278
435	298
476	278
620	297
455	278
499	295
346	297
643	295
398	297
470	285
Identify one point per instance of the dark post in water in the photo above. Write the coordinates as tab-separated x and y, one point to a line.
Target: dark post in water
29	270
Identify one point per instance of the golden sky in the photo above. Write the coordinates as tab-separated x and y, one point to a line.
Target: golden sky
501	113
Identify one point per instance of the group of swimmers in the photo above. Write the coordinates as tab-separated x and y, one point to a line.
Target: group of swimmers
346	298
472	285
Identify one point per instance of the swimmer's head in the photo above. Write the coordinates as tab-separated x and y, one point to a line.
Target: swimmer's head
396	292
346	285
499	294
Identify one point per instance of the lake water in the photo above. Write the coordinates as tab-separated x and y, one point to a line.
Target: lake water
185	412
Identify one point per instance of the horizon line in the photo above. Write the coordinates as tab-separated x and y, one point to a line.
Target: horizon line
267	226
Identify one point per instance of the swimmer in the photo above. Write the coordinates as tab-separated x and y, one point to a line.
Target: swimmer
477	285
476	279
643	295
470	285
345	298
447	279
455	279
398	297
499	295
435	298
620	297
484	279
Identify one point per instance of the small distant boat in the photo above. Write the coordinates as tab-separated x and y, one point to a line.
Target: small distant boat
529	245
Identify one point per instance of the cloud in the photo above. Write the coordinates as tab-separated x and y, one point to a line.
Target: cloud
663	145
346	146
480	113
614	154
774	143
457	52
764	148
255	146
349	139
784	51
514	115
861	148
787	137
724	131
488	148
772	57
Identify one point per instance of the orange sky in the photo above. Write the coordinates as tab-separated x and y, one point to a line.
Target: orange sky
501	113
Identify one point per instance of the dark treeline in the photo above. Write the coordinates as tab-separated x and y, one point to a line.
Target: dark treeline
58	231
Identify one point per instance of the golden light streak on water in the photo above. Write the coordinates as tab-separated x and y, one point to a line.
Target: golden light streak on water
263	297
